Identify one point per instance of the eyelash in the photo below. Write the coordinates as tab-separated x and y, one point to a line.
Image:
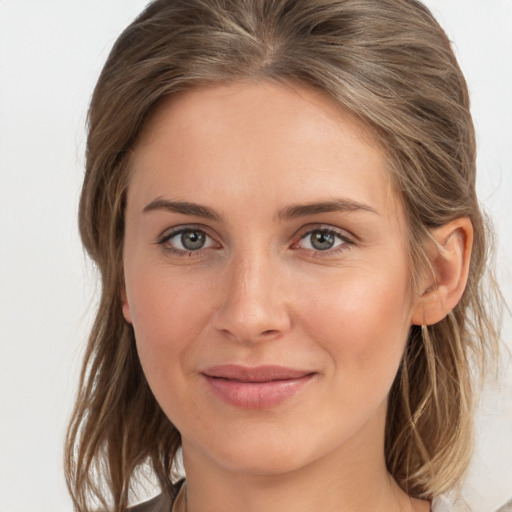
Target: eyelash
163	241
346	241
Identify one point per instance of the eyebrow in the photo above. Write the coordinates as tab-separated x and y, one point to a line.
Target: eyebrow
287	213
335	206
183	207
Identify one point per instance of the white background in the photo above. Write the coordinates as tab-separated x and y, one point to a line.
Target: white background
51	52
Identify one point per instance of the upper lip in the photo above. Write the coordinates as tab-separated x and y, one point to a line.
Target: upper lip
264	373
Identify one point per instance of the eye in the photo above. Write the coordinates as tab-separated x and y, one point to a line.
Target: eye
186	240
323	239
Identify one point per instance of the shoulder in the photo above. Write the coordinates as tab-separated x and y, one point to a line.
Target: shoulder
440	504
444	504
161	503
506	508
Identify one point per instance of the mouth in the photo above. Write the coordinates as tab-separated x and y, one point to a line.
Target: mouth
258	387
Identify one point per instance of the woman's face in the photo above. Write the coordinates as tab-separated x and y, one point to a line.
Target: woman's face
266	277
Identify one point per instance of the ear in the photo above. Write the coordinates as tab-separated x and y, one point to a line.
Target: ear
126	308
449	253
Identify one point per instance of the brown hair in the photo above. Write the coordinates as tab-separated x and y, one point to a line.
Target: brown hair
390	64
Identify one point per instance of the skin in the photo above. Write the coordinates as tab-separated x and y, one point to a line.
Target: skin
258	292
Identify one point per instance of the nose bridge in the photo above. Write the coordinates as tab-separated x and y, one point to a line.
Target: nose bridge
253	304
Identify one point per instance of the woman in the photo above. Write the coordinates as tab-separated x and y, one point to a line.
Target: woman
280	197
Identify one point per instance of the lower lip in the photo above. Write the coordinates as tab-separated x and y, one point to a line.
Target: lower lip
256	395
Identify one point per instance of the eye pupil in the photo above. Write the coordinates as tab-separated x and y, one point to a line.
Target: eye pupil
193	240
322	240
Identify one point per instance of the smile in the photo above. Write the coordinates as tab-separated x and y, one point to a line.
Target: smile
260	387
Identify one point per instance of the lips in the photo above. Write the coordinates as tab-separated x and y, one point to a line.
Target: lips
256	387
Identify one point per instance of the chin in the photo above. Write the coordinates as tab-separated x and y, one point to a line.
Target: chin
264	460
262	449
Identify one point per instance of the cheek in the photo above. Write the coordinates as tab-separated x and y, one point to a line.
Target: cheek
362	322
166	316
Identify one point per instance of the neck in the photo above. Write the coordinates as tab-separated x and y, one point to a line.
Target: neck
350	479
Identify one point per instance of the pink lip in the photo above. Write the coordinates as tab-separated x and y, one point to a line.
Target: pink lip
257	387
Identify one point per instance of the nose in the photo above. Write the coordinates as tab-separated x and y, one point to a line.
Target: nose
253	304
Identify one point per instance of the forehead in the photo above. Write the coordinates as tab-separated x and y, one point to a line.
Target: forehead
290	143
257	105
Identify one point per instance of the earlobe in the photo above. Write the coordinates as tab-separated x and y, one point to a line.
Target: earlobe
125	306
450	254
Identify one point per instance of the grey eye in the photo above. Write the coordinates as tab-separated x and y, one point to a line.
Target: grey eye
322	240
187	239
193	240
